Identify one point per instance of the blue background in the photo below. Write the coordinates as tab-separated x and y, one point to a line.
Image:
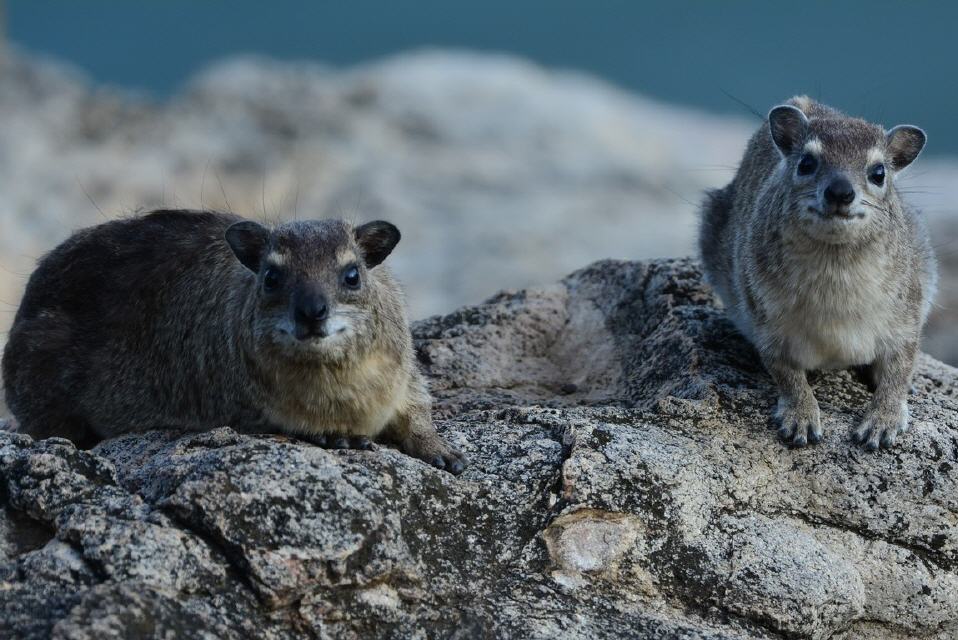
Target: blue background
888	61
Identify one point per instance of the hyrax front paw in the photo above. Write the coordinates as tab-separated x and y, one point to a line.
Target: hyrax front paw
880	426
799	421
336	441
433	450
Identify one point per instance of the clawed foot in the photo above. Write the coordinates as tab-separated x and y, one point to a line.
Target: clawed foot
436	452
453	462
432	450
881	428
799	421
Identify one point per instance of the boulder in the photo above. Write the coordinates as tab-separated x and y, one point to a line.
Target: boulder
625	481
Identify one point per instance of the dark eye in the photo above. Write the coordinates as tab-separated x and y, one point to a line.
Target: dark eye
351	277
271	279
877	175
807	165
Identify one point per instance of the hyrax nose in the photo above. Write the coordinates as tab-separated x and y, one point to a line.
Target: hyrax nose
312	308
840	192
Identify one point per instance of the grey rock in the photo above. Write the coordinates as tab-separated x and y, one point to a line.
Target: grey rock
624	482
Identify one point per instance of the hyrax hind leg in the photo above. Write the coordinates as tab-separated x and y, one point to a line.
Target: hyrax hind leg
797	413
887	413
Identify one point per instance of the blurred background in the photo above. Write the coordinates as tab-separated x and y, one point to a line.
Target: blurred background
511	142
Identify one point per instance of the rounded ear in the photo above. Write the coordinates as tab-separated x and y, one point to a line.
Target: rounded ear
903	144
248	240
788	126
377	240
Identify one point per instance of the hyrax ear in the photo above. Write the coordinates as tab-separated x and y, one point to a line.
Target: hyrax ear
248	240
903	144
377	240
788	126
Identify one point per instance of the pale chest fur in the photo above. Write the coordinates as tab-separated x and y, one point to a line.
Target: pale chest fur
829	314
360	399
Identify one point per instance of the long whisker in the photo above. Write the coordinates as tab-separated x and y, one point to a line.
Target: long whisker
90	198
203	183
223	191
884	210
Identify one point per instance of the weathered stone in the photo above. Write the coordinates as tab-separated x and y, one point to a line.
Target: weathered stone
624	482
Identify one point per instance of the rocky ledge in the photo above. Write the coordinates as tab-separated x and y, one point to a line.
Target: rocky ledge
625	481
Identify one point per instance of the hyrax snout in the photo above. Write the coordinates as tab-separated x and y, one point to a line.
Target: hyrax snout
196	319
820	263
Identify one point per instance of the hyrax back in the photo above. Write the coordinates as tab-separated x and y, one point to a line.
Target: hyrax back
193	320
820	264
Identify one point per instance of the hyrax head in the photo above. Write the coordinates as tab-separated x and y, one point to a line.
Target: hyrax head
314	292
841	171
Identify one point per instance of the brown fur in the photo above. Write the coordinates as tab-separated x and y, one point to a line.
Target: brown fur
815	284
157	322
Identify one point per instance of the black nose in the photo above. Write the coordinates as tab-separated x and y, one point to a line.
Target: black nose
311	308
840	192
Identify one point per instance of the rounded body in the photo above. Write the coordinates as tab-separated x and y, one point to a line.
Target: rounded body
819	263
149	322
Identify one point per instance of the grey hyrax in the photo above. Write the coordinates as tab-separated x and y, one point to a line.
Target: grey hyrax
820	264
196	319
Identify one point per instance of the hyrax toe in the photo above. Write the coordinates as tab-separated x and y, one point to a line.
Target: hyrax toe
457	464
339	442
361	442
453	462
436	452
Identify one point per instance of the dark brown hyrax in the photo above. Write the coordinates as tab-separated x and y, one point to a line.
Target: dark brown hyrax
196	319
819	263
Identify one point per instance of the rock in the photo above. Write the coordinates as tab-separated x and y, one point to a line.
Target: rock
624	481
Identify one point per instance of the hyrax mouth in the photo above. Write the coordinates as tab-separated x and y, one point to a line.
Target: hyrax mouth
310	334
836	213
320	330
842	213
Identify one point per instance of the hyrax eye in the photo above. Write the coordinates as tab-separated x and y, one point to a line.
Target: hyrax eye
807	164
272	279
876	175
351	278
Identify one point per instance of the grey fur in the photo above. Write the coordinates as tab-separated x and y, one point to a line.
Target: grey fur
813	284
153	322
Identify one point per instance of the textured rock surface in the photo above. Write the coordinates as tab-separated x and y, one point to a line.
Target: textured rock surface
624	482
500	173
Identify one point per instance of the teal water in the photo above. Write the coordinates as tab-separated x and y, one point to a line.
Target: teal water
888	61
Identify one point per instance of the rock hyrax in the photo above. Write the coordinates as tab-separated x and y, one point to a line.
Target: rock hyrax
821	265
196	319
